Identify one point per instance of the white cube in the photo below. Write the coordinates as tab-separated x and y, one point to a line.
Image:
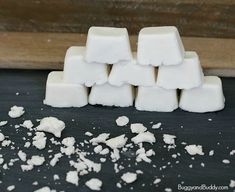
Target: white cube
187	75
77	70
156	99
108	95
130	72
160	46
206	98
60	94
108	45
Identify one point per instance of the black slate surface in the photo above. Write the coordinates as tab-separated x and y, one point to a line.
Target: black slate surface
217	135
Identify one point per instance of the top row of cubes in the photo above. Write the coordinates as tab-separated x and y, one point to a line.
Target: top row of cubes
156	46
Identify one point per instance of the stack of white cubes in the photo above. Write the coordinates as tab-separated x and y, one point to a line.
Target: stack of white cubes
159	71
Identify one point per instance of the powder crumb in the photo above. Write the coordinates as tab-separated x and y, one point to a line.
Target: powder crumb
11	188
16	111
94	184
119	185
211	152
55	159
98	149
27	124
194	149
157	126
101	138
45	189
36	160
232	152
147	137
122	121
89	134
169	139
168	190
2	137
72	177
226	161
129	177
156	181
3	123
117	142
138	128
39	140
51	125
56	177
232	183
22	155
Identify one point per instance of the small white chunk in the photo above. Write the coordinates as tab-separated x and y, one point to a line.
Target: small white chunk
186	75
72	177
131	72
169	139
36	160
16	111
77	70
129	177
27	124
138	128
51	125
2	137
122	121
2	123
101	138
232	183
144	137
39	140
108	95
55	159
160	46
45	189
206	98
94	184
156	99
156	126
11	188
194	149
98	149
22	155
117	142
226	161
76	95
88	134
107	45
26	167
211	152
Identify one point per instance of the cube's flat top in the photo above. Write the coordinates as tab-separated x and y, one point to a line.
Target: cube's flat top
190	55
212	80
107	31
165	30
55	77
75	51
192	128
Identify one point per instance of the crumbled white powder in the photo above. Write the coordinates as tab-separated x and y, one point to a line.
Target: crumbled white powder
39	140
72	177
102	160
98	149
94	184
122	121
169	139
88	134
2	137
51	125
142	156
156	181
6	143
26	167
27	144
232	152
117	142
68	141
168	190
27	124
157	126
55	159
16	111
69	148
115	155
105	151
194	149
101	138
129	177
45	189
203	164
226	161
1	160
56	177
211	152
138	128
2	123
232	183
11	188
144	137
36	160
22	155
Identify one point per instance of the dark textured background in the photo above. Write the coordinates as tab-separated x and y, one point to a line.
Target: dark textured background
196	130
201	18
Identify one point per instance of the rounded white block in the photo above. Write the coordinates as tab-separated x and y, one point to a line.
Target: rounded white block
160	46
156	99
108	45
130	72
109	95
187	75
77	70
206	98
60	94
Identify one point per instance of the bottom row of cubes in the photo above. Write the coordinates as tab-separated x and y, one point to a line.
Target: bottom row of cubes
206	98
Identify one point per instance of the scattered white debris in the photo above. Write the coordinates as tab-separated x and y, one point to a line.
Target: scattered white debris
105	151
138	128
194	149
129	177
157	126
88	134
168	190
2	123
6	143
98	149
22	155
51	125
232	152
117	142
72	177
2	137
45	189
1	160
16	111
69	148
144	137
56	177
232	183
55	159
27	124
169	139
211	152
26	167
39	140
101	138
11	188
94	184
122	121
36	160
226	161
156	181
203	164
